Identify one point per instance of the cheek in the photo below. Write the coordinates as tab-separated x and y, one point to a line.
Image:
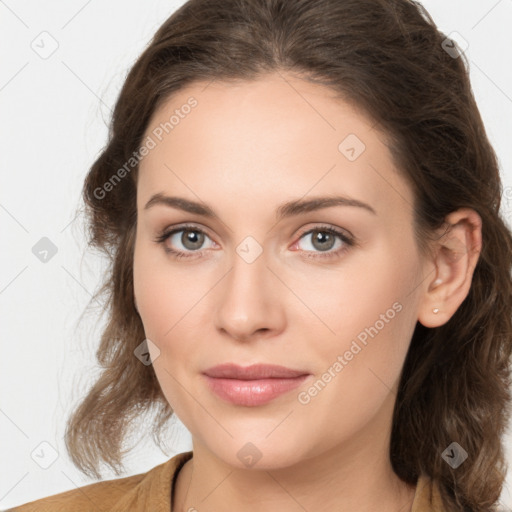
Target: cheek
372	316
161	293
154	294
172	308
162	306
366	315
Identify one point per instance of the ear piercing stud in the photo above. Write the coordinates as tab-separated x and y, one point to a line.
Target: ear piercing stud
435	311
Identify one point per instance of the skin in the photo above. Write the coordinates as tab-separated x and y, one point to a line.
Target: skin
245	149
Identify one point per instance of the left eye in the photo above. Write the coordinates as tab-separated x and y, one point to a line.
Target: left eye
323	240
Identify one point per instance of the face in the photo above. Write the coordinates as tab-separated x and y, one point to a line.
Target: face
329	290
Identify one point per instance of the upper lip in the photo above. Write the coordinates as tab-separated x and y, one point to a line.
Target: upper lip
253	372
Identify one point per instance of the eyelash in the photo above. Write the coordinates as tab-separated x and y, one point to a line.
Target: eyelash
348	241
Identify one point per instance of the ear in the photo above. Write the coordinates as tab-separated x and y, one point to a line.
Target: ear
456	254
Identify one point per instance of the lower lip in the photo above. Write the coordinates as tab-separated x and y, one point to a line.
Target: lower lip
253	392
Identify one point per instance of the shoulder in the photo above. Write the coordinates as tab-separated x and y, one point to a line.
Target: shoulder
152	489
96	496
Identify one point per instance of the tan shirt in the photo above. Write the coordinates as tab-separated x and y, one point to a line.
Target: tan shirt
151	491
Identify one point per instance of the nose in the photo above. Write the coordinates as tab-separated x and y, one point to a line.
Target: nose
250	301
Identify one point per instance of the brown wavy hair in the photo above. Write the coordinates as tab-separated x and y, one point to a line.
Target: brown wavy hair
388	58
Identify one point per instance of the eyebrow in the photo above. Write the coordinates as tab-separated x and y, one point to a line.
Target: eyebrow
289	209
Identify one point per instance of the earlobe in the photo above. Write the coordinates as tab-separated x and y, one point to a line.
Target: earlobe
456	255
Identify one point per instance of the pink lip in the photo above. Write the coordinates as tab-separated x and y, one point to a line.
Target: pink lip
252	385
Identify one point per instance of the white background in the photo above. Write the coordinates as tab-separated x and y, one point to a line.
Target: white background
54	115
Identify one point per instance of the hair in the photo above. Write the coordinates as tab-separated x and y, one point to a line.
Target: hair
388	59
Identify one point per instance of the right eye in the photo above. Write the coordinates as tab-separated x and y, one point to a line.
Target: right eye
191	239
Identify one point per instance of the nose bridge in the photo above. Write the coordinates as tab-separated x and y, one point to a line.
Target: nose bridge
248	302
247	278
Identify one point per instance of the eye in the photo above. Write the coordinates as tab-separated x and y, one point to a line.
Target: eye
191	239
323	239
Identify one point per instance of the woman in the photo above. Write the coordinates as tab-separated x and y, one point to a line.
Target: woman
309	267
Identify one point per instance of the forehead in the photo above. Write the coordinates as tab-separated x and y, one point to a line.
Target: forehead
274	138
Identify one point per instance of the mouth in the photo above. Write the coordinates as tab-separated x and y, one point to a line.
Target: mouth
253	385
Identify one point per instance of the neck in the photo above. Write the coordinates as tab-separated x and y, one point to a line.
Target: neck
348	478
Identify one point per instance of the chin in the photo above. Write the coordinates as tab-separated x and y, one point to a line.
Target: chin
258	452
